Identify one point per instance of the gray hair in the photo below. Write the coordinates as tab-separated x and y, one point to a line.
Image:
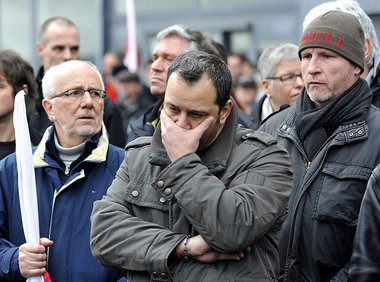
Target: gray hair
198	41
48	81
352	7
272	56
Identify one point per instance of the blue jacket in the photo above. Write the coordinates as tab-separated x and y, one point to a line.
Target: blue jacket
64	206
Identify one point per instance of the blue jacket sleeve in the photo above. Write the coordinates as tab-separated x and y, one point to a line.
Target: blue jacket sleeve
8	251
9	262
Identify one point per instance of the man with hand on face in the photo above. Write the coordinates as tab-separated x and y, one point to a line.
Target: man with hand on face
74	164
172	41
203	199
332	137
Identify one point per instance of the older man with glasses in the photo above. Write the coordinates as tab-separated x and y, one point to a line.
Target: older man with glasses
280	70
74	165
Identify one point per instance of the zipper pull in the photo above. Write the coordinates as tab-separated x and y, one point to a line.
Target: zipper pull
308	165
67	170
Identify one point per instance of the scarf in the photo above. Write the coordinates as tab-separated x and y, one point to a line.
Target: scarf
314	126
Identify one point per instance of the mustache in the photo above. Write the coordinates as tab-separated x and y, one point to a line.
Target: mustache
87	114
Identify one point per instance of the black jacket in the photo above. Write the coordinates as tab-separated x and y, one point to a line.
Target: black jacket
373	79
317	237
365	262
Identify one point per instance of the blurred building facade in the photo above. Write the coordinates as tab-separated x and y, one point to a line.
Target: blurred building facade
242	26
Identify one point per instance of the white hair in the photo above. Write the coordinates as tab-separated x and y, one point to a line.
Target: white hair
48	81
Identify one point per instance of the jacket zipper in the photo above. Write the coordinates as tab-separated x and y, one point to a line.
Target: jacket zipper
300	196
67	172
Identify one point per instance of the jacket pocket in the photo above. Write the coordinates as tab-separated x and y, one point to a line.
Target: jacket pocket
142	194
340	192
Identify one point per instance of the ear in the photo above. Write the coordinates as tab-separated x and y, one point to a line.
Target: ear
367	47
26	88
266	87
225	112
48	106
39	48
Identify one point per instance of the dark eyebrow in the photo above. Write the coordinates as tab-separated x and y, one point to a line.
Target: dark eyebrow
200	113
197	112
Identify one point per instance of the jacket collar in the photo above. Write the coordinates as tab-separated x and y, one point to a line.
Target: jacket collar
215	157
351	132
99	154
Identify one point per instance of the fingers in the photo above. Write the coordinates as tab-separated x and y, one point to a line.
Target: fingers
32	259
46	242
31	248
230	256
204	125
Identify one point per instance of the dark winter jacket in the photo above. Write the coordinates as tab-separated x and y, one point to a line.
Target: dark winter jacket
365	262
317	237
234	196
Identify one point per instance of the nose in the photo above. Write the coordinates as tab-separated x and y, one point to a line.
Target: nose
68	54
313	65
299	82
157	65
182	121
87	101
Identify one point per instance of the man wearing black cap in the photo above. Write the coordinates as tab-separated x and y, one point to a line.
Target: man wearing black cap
246	90
332	136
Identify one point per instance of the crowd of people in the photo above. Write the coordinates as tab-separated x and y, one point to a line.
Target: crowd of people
207	169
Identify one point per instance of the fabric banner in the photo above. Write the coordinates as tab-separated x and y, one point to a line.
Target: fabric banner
131	54
26	178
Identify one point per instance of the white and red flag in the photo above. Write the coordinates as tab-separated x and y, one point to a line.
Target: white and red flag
131	60
26	178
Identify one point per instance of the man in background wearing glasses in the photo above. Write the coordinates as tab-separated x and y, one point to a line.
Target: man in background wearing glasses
280	71
74	165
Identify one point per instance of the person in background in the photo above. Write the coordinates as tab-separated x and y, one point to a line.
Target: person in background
365	259
248	68
371	71
332	137
15	74
280	70
146	95
245	93
58	43
109	61
172	41
203	199
74	165
234	62
129	96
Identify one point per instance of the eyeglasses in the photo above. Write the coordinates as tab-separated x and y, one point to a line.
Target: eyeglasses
76	94
287	78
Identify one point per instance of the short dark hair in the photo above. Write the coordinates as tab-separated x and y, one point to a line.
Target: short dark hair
18	72
61	21
193	64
